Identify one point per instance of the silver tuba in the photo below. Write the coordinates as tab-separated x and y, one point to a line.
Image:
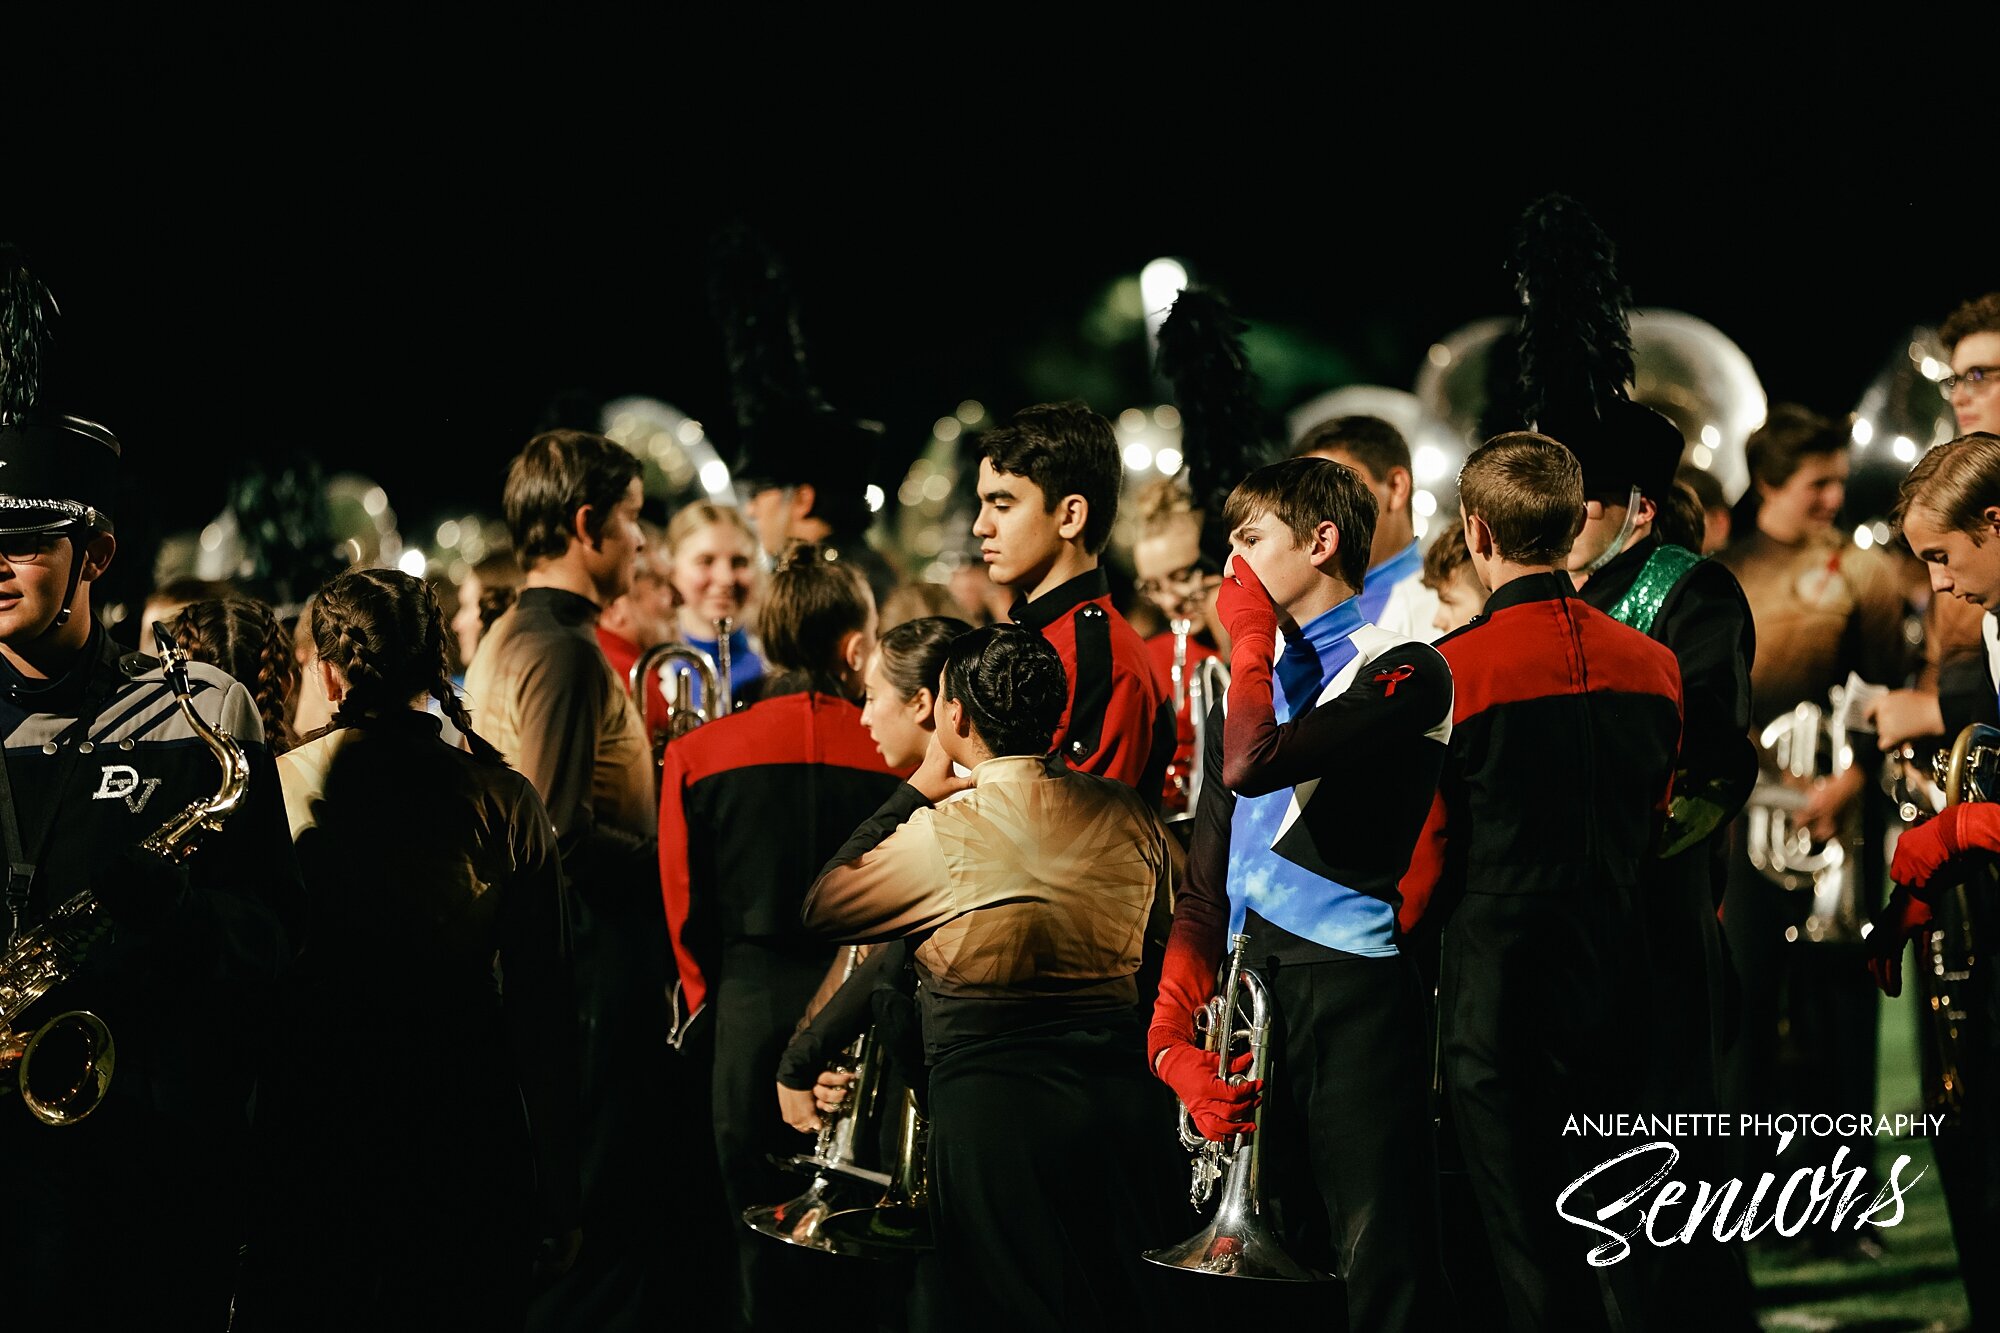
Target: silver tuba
1237	1242
64	1066
1794	749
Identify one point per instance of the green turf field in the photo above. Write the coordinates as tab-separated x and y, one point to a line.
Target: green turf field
1915	1283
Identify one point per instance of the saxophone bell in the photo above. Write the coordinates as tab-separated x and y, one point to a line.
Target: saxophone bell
64	1066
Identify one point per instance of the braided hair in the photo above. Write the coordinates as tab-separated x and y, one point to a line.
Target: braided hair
385	632
246	639
1012	684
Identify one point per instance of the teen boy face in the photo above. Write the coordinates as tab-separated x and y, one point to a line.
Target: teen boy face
1291	570
1963	564
1020	537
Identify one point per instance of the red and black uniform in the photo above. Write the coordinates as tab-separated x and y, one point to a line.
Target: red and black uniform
752	805
1565	732
1160	651
1119	723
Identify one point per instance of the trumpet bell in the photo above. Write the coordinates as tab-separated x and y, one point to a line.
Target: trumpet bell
881	1231
1235	1244
802	1221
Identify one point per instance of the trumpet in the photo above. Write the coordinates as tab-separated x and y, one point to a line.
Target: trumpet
64	1067
682	714
1204	684
1237	1242
840	1180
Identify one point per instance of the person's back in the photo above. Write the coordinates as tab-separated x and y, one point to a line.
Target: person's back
751	805
1568	723
421	1210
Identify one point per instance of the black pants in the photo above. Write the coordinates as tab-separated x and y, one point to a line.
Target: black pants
1807	1037
1348	1160
1968	1152
1538	993
1704	1283
125	1220
759	993
1040	1142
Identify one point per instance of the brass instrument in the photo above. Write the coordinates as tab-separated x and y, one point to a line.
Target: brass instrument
1800	746
682	715
64	1067
900	1221
1949	951
1181	627
840	1180
1207	683
1237	1242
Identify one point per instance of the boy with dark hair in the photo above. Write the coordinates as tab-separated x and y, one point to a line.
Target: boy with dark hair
1048	494
1396	597
543	693
1565	726
1324	754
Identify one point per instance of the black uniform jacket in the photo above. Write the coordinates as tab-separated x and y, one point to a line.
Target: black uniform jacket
1705	622
186	988
1565	731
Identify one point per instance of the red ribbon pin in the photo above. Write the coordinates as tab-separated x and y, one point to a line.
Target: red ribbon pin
1393	679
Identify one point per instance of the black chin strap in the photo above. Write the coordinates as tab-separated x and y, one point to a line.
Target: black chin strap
78	538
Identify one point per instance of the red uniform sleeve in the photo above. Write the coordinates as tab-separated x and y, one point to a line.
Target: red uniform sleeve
1201	912
691	991
1420	881
1126	743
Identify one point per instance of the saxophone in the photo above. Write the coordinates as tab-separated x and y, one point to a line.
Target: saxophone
64	1066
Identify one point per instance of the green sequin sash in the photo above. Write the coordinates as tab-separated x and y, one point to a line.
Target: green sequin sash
1665	567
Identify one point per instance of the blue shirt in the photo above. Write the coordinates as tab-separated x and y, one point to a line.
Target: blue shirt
745	667
1382	581
1285	894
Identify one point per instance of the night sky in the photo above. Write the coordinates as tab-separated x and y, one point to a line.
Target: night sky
411	295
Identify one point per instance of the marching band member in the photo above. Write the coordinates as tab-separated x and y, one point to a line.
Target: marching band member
1954	690
1174	575
136	1209
1448	572
1823	608
1396	598
1564	732
542	692
420	1211
1300	845
731	888
1027	890
1949	511
1623	566
1048	494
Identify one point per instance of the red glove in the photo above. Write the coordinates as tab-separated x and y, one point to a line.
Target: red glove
1245	609
1218	1109
1902	916
1922	851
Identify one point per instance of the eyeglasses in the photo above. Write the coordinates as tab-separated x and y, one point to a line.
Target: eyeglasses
1973	377
29	548
1180	582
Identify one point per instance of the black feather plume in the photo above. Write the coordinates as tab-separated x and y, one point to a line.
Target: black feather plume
27	319
1572	350
1223	425
752	299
